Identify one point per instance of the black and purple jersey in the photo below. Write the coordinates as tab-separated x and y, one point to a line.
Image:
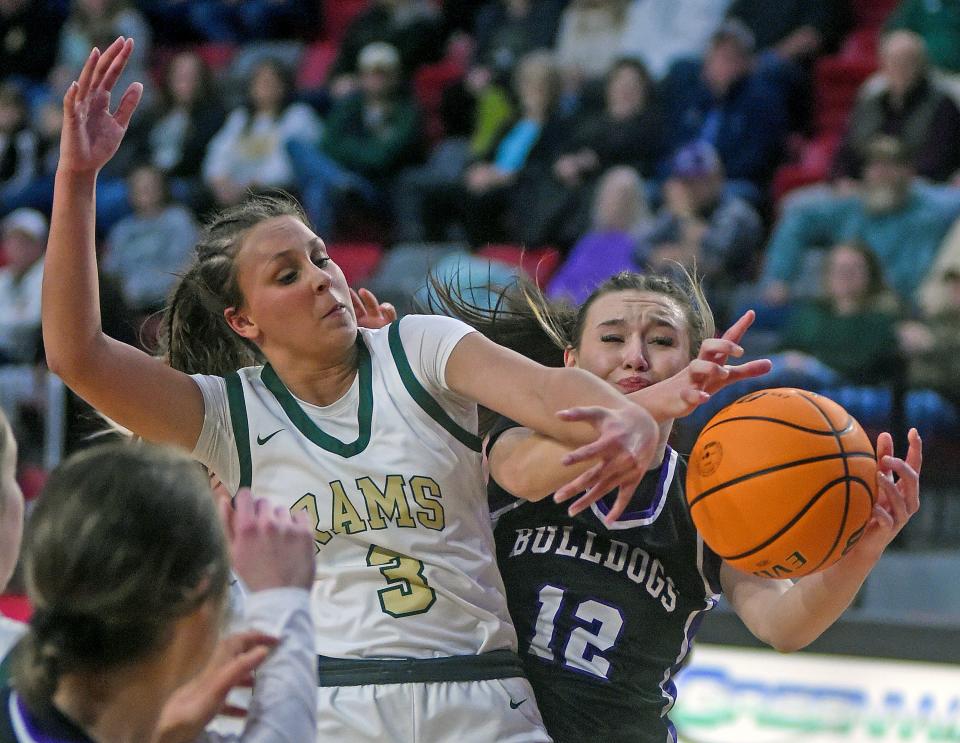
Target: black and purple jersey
605	616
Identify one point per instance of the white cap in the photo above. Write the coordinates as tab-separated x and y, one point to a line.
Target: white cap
28	221
378	54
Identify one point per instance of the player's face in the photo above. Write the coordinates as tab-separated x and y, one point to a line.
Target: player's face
633	339
296	300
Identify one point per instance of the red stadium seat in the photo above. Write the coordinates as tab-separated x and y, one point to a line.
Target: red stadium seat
357	260
338	15
871	13
315	64
217	55
429	82
538	263
812	165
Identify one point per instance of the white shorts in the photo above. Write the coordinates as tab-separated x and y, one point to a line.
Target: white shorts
490	711
462	699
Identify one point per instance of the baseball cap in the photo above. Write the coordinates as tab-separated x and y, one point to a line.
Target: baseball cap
695	160
28	221
378	54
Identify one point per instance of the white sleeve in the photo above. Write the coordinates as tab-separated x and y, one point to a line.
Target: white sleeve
283	708
216	447
428	341
219	158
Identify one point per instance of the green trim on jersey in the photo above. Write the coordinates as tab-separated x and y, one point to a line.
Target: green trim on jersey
241	430
311	430
423	398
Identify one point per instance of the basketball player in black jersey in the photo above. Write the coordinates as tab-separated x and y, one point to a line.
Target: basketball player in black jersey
606	610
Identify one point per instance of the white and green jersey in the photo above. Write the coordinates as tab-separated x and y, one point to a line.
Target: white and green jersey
391	476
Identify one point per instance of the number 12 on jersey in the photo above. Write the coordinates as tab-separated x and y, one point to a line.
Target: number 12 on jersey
584	647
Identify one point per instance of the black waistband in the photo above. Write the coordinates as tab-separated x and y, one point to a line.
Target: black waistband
499	664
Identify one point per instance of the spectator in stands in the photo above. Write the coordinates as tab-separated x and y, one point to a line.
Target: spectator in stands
932	343
146	250
845	337
938	23
24	235
620	215
97	23
29	30
589	39
502	189
908	103
19	149
249	151
11	526
37	193
174	135
730	102
370	136
703	227
661	32
412	27
902	220
507	30
629	131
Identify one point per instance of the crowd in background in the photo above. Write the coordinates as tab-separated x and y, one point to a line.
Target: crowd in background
604	134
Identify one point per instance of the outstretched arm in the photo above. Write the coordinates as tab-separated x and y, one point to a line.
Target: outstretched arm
568	405
530	465
789	617
137	391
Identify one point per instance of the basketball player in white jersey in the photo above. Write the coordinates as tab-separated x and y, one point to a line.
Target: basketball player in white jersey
371	433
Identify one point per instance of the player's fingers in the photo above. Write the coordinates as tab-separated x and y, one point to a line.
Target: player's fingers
624	496
883	519
719	347
599	488
389	311
736	331
243	505
230	710
909	483
226	517
896	501
578	484
103	64
884	447
86	74
369	300
358	306
589	414
755	368
128	104
70	101
915	450
602	446
235	671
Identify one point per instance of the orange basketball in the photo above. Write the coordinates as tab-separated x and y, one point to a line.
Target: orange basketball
781	483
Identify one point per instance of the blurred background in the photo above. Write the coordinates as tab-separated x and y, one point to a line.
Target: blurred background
804	155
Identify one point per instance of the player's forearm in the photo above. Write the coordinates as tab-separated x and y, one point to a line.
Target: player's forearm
561	389
529	465
71	296
815	602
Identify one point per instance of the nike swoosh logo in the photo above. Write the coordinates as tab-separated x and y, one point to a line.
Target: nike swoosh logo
264	440
514	705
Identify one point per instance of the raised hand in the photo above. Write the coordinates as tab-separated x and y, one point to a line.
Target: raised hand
91	134
269	547
625	446
371	313
898	493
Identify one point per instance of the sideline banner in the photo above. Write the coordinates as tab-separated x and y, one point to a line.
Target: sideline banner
741	695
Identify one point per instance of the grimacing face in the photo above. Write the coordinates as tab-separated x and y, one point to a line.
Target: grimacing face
296	300
633	339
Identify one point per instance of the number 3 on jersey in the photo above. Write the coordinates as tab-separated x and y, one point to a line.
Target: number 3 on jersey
408	592
584	646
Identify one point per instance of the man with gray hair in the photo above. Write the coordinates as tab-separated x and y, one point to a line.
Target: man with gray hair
905	101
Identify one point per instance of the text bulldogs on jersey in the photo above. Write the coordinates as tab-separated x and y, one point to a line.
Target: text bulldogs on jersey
619	557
